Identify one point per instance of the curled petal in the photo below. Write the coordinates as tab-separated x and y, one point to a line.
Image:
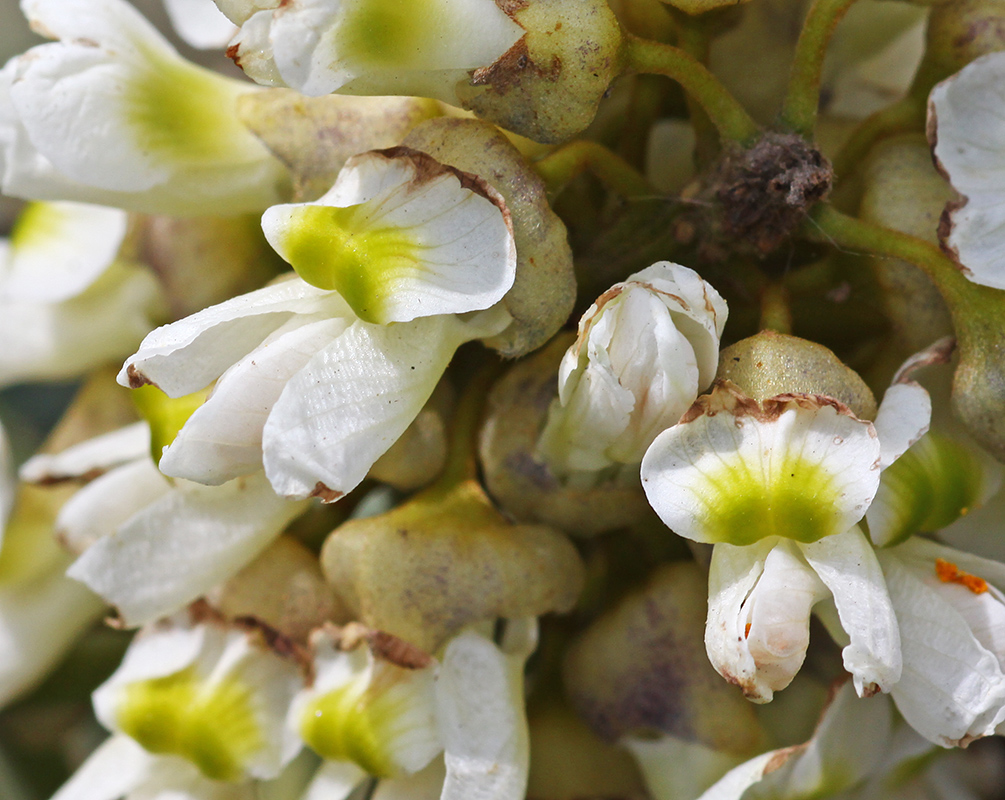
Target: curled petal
401	236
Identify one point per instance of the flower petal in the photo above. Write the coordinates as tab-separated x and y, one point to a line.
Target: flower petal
335	780
200	23
46	341
965	124
222	440
187	355
401	236
847	565
735	470
113	106
100	507
352	401
90	458
180	546
482	721
59	249
761	646
111	772
952	688
395	48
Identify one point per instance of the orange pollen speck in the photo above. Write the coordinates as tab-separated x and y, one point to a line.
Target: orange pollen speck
746	631
948	572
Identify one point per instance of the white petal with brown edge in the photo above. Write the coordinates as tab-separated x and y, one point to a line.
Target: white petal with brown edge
737	471
966	121
401	236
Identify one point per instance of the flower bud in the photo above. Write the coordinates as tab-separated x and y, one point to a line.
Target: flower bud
548	85
645	349
770	364
442	561
522	484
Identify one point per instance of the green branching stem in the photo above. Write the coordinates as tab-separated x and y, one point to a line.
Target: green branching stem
693	38
964	299
802	99
557	169
461	462
729	117
904	116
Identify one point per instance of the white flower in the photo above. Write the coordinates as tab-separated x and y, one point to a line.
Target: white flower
388	709
369	47
42	613
149	546
112	114
966	126
68	302
304	385
645	349
214	696
952	626
778	486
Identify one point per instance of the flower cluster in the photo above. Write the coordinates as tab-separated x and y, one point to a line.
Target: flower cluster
447	406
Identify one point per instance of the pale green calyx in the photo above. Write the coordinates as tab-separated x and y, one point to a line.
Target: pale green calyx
372	704
738	471
401	236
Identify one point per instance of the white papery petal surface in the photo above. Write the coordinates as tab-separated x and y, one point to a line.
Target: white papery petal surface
760	642
480	705
200	23
59	249
48	341
187	355
967	128
113	106
112	771
847	565
222	440
400	236
353	400
335	780
952	688
321	45
178	547
902	419
737	471
90	458
104	504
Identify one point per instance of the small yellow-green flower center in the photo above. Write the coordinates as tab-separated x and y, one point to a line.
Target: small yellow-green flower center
165	415
346	724
213	727
37	224
391	33
794	498
339	249
180	112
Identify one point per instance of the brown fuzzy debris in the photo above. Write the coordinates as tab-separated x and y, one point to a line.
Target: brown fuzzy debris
765	192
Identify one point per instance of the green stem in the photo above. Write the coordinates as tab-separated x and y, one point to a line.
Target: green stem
693	38
799	109
461	462
617	175
907	114
729	117
827	224
776	315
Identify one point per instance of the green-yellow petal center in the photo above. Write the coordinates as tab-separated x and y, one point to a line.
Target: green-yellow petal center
340	249
212	726
391	33
165	415
794	498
